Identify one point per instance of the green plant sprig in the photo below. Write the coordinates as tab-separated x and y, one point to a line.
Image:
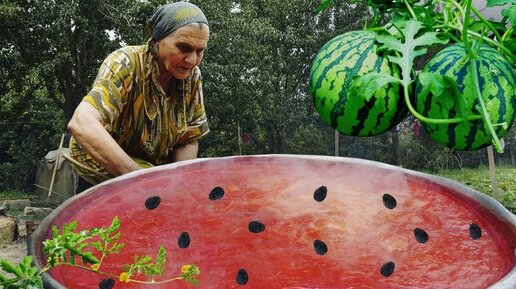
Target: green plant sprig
67	245
25	275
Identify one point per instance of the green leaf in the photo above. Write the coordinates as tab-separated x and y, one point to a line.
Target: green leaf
89	258
72	258
145	260
27	277
115	237
407	49
492	3
191	274
433	81
11	268
445	90
161	259
26	263
55	231
115	225
36	282
367	85
33	271
70	227
97	245
510	13
323	5
115	249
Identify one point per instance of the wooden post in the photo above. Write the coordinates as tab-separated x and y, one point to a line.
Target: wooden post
492	171
55	167
337	142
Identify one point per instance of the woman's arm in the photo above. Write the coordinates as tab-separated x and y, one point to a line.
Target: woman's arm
186	152
87	129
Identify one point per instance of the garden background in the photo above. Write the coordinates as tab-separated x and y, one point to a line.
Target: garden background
255	83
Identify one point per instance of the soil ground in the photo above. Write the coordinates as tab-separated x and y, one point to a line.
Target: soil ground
14	252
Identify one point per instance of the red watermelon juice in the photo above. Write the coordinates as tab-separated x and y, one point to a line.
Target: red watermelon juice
296	222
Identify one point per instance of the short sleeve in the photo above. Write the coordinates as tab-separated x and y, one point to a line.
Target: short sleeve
110	89
197	123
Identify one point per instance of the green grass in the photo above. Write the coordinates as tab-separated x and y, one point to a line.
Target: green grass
14	195
479	180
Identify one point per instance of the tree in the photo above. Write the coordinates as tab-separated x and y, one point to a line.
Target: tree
51	52
256	74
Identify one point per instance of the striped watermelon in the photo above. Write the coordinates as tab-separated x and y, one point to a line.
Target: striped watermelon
497	82
337	62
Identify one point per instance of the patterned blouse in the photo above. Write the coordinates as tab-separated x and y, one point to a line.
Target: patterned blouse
145	122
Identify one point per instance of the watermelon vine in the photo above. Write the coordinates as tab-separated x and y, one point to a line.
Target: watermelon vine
465	96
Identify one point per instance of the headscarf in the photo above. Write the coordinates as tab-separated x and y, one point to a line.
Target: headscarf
172	16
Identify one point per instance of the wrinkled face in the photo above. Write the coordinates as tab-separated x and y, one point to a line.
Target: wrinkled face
182	50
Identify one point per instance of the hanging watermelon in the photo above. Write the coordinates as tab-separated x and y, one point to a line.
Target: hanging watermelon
333	69
497	84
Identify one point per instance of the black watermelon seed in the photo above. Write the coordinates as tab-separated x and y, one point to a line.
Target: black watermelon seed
152	202
216	194
421	235
184	240
256	227
107	284
475	232
389	201
387	269
320	247
320	194
242	277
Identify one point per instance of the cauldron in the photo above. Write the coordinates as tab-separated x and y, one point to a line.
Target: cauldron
293	221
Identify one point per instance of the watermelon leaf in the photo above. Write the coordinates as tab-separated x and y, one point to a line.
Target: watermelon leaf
409	47
442	87
368	84
492	3
510	13
433	81
323	5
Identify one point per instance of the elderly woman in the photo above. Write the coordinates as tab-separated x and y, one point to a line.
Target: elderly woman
146	105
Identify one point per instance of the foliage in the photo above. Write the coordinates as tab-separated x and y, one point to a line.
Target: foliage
255	74
50	53
68	245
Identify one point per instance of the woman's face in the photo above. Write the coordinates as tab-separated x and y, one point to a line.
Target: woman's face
182	50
